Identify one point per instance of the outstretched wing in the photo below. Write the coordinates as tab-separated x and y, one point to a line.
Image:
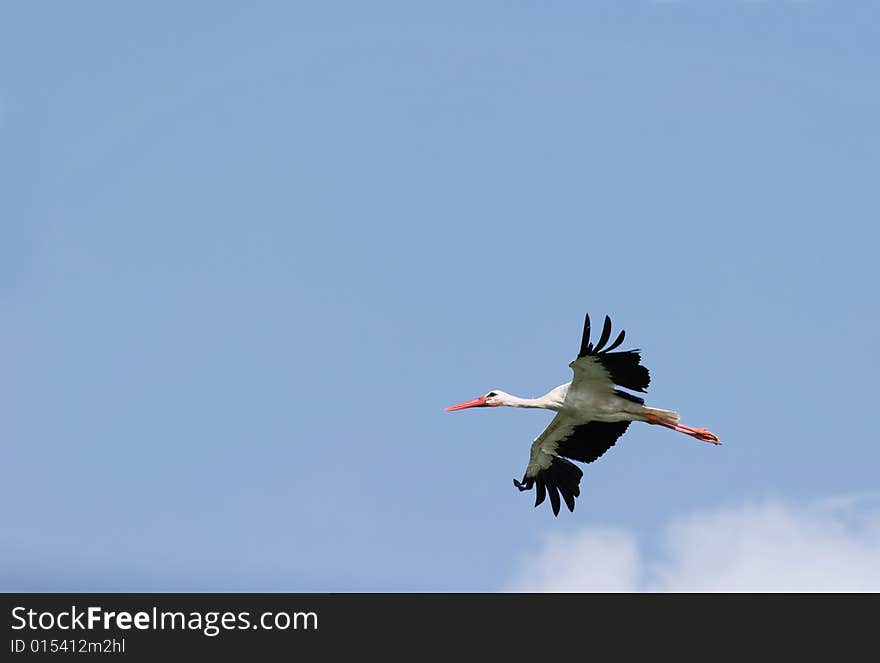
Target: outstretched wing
598	369
549	471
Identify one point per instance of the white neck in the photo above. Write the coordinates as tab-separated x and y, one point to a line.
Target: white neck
516	401
552	400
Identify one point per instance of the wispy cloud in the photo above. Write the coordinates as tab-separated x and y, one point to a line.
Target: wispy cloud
771	546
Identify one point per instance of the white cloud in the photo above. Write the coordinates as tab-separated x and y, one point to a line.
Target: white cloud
772	546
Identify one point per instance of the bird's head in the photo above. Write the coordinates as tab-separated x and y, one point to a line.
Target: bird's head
492	399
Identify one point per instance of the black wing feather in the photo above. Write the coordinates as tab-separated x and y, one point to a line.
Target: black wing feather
554	496
540	490
585	340
617	341
630	397
625	369
563	477
589	441
606	334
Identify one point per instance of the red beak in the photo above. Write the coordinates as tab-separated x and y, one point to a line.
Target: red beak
477	402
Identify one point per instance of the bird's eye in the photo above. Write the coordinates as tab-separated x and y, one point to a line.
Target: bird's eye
491	394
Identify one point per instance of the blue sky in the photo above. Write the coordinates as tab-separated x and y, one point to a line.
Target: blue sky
249	253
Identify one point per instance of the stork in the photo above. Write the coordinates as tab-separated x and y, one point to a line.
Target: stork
591	414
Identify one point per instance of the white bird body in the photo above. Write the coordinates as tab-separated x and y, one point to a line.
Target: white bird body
591	414
577	404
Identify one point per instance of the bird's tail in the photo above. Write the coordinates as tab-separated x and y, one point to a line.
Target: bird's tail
665	415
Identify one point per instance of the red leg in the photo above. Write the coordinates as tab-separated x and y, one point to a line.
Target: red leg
699	433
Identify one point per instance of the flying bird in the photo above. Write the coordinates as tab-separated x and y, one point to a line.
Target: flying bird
591	414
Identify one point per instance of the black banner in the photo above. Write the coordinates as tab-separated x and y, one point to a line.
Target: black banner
318	626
